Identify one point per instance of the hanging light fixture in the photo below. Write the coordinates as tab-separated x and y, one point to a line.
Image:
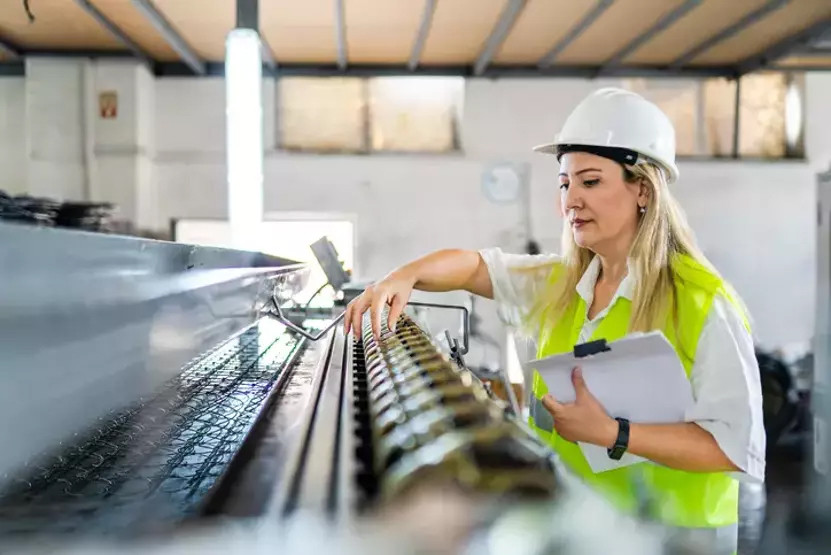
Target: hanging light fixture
244	115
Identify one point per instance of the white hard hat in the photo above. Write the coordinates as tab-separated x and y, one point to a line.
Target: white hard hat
611	121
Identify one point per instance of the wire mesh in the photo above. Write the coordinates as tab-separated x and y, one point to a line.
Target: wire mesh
153	464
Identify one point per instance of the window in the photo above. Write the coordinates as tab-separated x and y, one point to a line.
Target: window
414	114
704	114
287	235
381	114
324	115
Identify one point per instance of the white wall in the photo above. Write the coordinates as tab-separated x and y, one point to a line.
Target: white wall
754	219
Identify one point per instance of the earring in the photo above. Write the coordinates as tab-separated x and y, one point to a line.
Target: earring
642	210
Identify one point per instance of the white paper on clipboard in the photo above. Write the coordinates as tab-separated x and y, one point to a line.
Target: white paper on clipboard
640	378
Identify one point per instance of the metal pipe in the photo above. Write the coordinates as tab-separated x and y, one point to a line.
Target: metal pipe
173	38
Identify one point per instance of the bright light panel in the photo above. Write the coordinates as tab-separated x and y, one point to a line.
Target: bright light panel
244	113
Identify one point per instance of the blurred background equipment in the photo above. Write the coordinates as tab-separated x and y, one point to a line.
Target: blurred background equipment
88	216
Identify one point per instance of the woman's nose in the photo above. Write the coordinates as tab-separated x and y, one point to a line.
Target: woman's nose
572	198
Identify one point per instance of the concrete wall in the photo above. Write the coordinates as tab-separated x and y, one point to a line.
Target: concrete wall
754	219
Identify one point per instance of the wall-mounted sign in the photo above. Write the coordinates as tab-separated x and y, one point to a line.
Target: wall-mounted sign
108	104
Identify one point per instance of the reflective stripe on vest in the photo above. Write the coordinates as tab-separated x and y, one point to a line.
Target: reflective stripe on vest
676	497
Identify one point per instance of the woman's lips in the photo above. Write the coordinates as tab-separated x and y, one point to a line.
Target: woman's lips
578	223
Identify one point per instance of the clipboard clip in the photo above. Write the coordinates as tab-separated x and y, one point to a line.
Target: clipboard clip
589	348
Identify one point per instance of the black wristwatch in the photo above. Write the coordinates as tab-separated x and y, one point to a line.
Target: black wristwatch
622	441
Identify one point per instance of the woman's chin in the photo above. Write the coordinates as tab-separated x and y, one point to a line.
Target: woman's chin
583	240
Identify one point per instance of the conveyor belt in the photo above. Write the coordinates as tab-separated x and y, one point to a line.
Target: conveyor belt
156	463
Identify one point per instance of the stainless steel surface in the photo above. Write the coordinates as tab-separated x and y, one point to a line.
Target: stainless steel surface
90	323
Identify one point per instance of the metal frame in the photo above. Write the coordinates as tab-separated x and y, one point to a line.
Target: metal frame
268	56
423	31
176	69
729	31
248	14
576	31
660	26
191	64
784	46
498	34
115	31
170	35
340	34
9	50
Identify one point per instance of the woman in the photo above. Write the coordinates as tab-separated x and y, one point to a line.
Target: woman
629	263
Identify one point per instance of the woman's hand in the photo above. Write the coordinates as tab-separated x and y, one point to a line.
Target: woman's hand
393	290
583	420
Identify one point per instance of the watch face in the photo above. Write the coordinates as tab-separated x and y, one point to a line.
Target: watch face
502	183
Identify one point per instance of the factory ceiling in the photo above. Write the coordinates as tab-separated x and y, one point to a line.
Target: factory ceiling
490	38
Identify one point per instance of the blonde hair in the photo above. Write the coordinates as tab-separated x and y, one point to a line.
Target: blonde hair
663	233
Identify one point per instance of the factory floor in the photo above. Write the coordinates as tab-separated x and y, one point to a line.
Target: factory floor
787	481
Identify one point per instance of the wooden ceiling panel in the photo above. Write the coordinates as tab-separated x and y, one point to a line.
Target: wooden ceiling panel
806	61
300	32
539	27
59	24
618	26
203	24
778	25
693	29
460	29
137	27
381	32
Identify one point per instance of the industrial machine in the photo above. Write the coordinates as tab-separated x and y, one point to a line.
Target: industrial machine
149	386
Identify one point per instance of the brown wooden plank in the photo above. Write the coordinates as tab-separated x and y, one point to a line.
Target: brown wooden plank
203	24
59	25
124	14
381	32
617	27
540	26
780	24
300	32
460	29
701	23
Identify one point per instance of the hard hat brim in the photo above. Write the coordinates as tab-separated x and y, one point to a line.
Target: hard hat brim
550	148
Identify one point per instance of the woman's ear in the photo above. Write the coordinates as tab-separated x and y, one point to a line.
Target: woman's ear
643	193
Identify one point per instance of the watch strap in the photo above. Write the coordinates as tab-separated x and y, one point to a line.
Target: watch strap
622	441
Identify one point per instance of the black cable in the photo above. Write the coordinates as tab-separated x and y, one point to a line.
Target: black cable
29	13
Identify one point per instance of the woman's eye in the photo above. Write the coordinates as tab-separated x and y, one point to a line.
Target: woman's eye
591	182
563	186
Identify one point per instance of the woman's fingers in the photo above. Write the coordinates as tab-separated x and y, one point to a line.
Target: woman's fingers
379	299
396	308
551	404
357	315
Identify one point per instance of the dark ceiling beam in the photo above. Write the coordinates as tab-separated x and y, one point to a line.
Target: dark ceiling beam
423	32
248	14
727	32
116	31
170	35
268	56
9	50
785	46
179	69
592	16
498	34
340	34
659	27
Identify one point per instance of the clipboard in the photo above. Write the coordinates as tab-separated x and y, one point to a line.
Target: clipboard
638	377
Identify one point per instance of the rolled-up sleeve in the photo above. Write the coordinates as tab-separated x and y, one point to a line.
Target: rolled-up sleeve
517	280
727	388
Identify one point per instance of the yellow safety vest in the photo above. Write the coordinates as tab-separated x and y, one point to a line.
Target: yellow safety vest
678	498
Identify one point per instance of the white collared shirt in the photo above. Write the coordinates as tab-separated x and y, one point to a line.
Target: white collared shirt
725	374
